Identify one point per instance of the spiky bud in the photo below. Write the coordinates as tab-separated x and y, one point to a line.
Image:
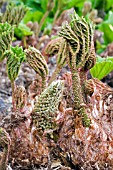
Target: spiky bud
19	97
14	14
37	62
15	56
6	35
47	105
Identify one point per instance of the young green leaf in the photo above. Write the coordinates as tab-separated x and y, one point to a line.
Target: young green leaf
33	16
22	30
108	32
107	28
102	67
15	56
110	18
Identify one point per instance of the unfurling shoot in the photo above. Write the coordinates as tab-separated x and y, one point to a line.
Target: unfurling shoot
38	63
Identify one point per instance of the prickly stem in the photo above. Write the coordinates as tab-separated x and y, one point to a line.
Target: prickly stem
55	73
78	98
13	89
43	83
76	89
83	78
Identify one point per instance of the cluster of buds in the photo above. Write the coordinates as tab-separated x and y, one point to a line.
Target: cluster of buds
6	35
79	35
75	46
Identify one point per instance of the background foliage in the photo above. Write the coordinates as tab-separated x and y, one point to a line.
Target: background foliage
105	11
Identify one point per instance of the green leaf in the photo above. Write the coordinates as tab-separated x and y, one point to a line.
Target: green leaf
34	4
75	3
107	28
108	32
100	47
110	18
44	4
109	4
102	67
102	4
22	31
98	4
15	56
33	16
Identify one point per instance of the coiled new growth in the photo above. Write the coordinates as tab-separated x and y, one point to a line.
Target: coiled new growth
57	46
79	37
38	63
53	46
47	105
5	142
14	14
6	35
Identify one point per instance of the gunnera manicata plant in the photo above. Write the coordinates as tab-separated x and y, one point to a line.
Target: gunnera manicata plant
84	131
